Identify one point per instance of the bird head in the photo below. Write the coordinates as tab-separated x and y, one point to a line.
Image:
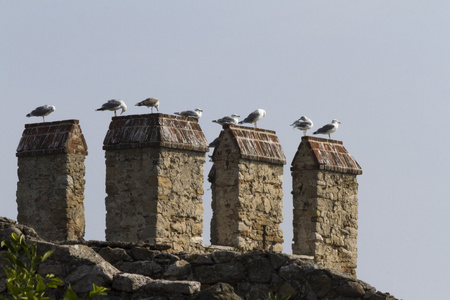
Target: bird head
336	121
235	116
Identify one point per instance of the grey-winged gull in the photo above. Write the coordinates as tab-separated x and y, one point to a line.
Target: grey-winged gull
196	114
114	105
42	111
233	119
303	124
149	102
329	128
254	117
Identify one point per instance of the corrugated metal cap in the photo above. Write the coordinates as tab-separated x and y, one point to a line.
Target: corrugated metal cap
52	138
254	144
327	154
155	130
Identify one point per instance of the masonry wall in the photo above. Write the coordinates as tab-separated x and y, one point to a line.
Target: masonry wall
246	197
325	200
155	196
154	180
325	218
50	190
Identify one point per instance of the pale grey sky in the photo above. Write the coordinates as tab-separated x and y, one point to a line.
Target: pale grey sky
380	67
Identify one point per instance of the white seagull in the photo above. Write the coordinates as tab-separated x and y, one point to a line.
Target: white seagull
254	117
114	105
42	111
196	114
149	102
303	124
329	128
233	119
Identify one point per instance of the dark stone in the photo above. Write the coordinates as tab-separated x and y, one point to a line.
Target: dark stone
228	272
259	269
219	291
224	256
114	255
320	282
350	289
147	268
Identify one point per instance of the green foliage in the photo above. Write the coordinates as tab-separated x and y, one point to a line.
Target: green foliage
274	297
96	291
23	281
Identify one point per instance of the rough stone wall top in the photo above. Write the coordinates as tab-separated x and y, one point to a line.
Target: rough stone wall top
155	130
52	138
255	144
326	155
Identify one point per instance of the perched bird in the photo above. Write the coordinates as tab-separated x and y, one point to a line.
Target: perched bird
150	102
254	117
42	111
114	105
329	128
233	119
196	114
303	124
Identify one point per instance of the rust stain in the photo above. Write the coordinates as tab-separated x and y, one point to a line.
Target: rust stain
257	144
52	138
330	155
155	130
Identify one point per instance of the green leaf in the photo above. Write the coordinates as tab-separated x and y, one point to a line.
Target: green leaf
47	254
70	294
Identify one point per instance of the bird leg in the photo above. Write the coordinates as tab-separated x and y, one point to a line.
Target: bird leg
255	125
329	136
115	114
43	117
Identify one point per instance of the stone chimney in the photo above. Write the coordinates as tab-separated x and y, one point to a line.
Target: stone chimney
154	180
246	189
50	191
325	193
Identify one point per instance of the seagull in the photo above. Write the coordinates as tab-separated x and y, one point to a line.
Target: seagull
196	114
149	102
42	111
233	119
114	105
329	128
303	124
254	117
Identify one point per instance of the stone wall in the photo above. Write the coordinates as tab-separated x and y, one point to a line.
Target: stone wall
154	179
325	204
138	271
247	189
155	196
50	190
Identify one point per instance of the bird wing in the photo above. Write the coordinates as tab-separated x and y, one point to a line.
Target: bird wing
302	125
111	104
326	128
42	111
254	116
189	113
227	120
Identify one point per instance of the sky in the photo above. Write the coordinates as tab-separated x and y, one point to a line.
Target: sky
381	67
